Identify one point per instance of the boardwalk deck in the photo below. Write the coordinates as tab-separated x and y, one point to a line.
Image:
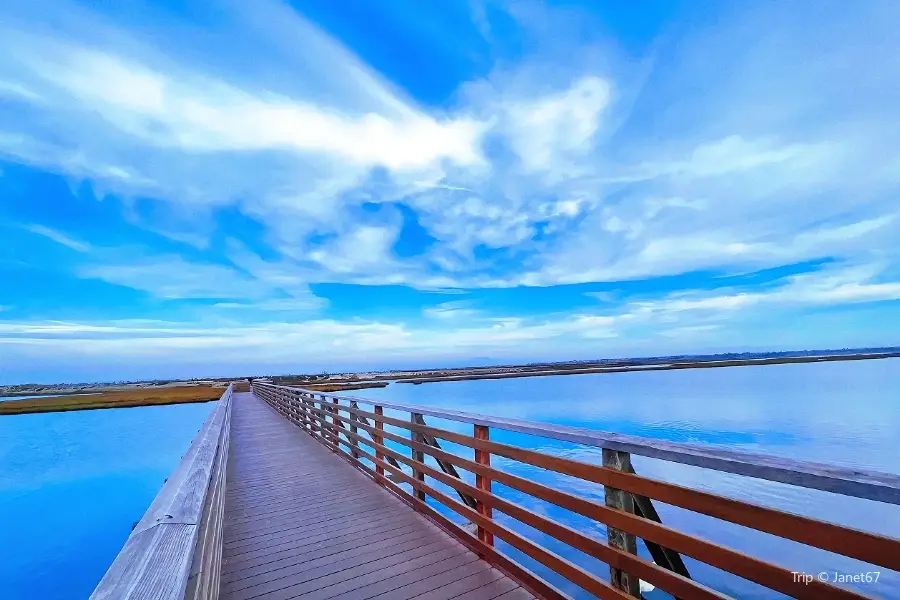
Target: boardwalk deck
302	523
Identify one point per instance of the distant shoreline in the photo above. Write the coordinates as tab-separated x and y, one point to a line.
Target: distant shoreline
636	366
174	392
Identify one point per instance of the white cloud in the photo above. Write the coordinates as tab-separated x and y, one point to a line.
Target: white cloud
303	303
59	237
363	249
835	286
174	277
16	91
279	341
570	166
459	309
547	130
191	112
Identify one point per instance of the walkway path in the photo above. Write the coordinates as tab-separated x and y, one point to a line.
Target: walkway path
300	522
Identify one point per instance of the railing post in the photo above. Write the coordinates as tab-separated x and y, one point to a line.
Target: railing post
301	406
354	444
331	429
417	455
311	415
483	457
379	426
337	424
323	425
621	500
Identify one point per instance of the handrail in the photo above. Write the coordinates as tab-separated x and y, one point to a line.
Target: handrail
858	483
174	552
627	512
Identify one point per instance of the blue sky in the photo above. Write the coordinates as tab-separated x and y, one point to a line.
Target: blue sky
232	187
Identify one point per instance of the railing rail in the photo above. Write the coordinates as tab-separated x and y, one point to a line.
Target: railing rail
175	551
338	422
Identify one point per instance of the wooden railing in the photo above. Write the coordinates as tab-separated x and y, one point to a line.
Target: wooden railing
337	421
175	551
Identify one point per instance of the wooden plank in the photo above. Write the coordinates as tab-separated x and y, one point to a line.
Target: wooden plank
154	563
353	430
379	427
417	455
617	538
299	544
487	583
273	562
358	537
393	578
442	565
483	483
291	578
868	484
452	583
525	577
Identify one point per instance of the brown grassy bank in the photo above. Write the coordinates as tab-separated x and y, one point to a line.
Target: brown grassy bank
117	399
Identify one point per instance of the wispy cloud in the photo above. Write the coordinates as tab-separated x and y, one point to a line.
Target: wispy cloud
840	286
460	309
252	167
173	278
59	238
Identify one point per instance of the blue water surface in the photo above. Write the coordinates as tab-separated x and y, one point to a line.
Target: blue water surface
71	486
843	413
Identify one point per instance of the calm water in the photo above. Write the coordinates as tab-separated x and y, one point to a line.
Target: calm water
5	398
843	413
71	486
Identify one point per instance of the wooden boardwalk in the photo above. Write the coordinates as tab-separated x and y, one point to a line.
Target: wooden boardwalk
300	522
300	516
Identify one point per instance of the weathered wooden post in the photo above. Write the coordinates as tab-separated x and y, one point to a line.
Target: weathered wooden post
354	444
310	407
379	426
327	432
288	398
621	500
337	424
483	457
301	405
417	455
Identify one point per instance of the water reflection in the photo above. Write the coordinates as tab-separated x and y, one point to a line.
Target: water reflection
841	413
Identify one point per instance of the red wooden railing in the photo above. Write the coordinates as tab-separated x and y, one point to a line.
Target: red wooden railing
628	512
